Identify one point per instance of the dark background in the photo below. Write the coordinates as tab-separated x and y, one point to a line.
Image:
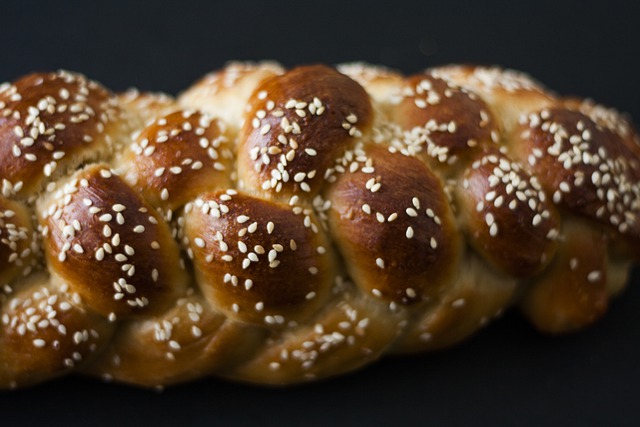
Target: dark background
507	374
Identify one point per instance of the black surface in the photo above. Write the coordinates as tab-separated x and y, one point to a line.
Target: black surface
506	375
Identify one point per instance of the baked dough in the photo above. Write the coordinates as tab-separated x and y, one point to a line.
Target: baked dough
278	226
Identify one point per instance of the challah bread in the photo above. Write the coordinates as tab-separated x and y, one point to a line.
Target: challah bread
277	226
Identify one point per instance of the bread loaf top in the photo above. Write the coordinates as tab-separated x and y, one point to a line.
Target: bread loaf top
278	226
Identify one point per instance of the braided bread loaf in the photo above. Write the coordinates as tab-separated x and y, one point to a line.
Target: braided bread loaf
279	226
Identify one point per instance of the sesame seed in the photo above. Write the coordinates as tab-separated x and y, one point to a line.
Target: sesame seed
105	217
573	264
594	276
409	232
365	169
489	219
537	219
460	302
120	218
370	183
433	243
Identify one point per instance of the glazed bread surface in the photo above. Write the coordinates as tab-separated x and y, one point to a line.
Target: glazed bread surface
278	226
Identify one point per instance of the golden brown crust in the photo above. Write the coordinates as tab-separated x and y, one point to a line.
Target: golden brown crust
45	331
476	297
52	122
381	83
391	220
140	108
450	121
584	167
176	157
188	341
298	124
572	293
257	261
508	92
506	215
224	93
348	334
110	246
281	226
19	249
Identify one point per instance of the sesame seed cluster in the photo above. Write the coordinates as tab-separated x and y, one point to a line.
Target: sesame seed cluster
279	226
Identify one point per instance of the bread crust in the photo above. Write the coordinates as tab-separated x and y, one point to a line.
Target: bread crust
279	226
